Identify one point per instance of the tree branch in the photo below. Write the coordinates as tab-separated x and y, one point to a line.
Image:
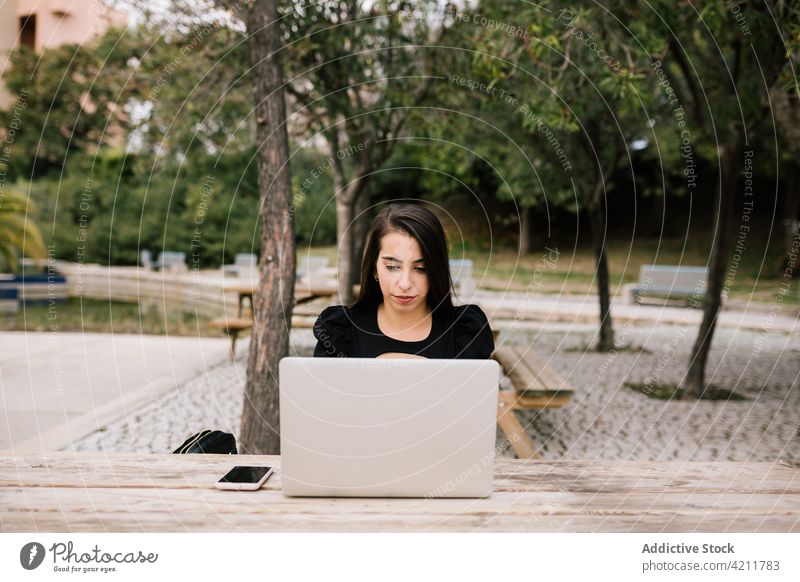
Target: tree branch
683	64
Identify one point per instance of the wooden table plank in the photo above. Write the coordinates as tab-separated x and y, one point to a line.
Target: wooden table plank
128	492
65	469
185	471
312	307
520	376
552	381
153	509
531	376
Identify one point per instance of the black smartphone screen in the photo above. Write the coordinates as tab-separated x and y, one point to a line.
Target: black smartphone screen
245	475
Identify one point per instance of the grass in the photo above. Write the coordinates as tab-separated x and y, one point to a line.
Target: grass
571	270
97	316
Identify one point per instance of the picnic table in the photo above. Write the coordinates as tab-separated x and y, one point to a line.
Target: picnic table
130	492
302	293
233	326
535	386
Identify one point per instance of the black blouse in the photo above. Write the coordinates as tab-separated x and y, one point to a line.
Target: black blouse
352	333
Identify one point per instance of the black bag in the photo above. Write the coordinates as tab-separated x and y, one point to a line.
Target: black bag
213	442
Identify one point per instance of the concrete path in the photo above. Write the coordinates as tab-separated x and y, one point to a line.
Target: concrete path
63	389
506	308
56	388
604	420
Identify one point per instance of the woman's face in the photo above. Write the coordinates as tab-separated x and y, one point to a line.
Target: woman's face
401	272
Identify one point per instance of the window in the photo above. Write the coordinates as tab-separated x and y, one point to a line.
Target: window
27	31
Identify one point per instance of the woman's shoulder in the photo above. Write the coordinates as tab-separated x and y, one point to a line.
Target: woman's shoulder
471	333
335	311
333	330
469	315
335	316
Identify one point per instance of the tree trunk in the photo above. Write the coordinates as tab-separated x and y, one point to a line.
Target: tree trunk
361	223
274	298
791	214
344	248
525	231
597	219
346	203
730	161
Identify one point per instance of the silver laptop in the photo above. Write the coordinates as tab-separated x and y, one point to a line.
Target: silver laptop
360	427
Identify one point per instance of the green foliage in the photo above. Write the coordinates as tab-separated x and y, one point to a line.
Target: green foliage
313	198
357	71
107	208
185	97
69	99
195	86
18	232
186	181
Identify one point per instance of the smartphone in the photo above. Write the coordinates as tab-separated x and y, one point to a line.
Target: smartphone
242	478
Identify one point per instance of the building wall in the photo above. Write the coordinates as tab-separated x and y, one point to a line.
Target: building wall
69	21
8	38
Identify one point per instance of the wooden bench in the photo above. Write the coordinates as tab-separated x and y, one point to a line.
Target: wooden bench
232	326
461	273
670	282
245	266
312	270
171	261
536	386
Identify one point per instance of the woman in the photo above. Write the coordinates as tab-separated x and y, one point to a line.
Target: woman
404	308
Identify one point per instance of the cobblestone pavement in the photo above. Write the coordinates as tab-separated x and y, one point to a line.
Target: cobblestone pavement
604	420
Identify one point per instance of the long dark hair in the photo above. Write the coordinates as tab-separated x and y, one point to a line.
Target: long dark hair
416	221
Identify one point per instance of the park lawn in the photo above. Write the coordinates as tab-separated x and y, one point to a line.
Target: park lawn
97	316
571	270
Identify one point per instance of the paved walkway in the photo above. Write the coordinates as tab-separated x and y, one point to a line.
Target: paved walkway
58	387
128	392
605	419
521	307
609	420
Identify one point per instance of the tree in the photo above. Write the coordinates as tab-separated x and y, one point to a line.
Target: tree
260	431
720	62
570	80
786	105
357	70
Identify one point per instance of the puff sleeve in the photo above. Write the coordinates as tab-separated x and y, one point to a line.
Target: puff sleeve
472	334
334	332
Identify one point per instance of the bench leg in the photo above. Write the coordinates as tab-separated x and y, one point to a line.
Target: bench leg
515	433
630	295
234	336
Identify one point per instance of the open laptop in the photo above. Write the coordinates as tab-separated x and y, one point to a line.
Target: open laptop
361	427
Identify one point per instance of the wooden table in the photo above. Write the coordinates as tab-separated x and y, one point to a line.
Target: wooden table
302	294
88	492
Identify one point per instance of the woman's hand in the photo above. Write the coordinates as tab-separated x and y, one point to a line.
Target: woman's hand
399	356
